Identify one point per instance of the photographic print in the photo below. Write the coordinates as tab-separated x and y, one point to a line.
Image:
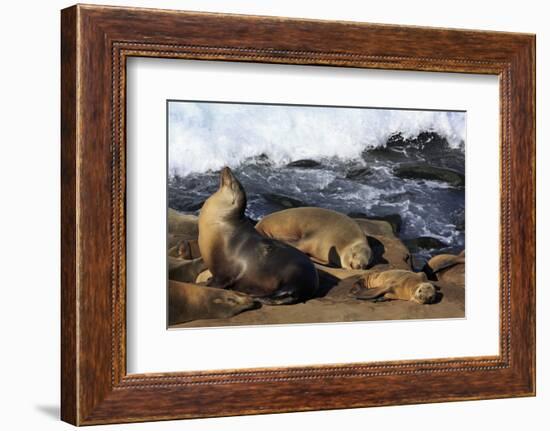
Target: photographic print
285	214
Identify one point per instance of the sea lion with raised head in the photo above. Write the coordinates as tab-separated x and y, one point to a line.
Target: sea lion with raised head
240	258
187	301
395	284
329	237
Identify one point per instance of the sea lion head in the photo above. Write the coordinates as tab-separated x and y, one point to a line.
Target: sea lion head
425	293
229	303
357	256
230	198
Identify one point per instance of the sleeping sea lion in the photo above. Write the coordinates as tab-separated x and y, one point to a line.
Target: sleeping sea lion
395	284
183	248
329	237
241	259
185	270
182	224
447	268
189	301
340	273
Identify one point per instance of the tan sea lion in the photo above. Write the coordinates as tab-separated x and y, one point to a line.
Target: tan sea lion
185	270
240	258
187	301
395	284
327	236
446	267
340	273
183	224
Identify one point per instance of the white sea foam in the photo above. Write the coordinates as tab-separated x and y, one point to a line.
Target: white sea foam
206	136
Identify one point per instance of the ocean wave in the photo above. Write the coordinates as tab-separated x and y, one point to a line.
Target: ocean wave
206	136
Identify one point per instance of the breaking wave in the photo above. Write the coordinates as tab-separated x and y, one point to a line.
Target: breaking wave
206	136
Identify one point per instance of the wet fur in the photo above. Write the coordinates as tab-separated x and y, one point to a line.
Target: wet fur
394	284
327	236
241	259
189	301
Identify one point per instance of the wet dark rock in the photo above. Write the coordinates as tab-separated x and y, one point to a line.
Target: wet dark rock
304	163
427	147
428	172
424	242
354	214
358	173
283	201
260	160
186	205
460	221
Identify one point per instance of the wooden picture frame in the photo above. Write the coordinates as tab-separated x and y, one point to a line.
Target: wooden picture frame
95	43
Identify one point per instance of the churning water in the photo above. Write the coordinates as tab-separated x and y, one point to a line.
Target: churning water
353	160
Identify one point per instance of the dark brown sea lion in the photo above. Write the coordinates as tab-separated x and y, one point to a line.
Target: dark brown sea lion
185	270
187	301
240	258
183	248
395	284
327	236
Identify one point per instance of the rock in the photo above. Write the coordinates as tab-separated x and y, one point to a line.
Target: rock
388	250
185	204
304	163
203	277
428	172
424	242
459	220
358	173
183	224
283	201
357	214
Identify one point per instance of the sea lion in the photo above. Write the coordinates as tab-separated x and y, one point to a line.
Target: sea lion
395	284
329	237
183	248
447	268
388	250
187	301
340	273
240	258
182	224
185	270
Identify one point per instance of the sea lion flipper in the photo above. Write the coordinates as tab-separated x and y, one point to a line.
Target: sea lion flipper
284	296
